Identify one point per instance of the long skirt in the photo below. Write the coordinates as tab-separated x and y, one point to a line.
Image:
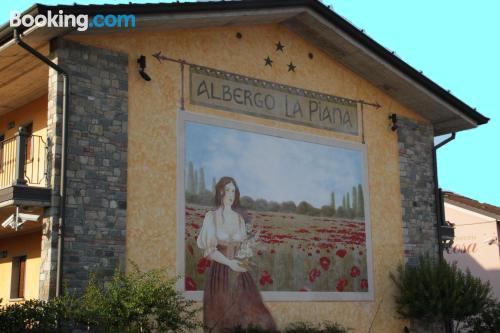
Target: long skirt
231	299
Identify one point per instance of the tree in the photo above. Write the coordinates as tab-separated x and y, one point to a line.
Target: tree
273	206
247	202
332	203
196	180
435	291
201	181
361	202
288	207
261	205
354	202
190	179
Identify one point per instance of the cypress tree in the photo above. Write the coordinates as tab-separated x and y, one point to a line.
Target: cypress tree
361	201
332	203
201	182
354	202
190	178
195	181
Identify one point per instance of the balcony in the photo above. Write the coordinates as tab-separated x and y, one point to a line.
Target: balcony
23	171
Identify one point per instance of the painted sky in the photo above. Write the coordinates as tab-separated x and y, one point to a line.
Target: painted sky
454	43
273	168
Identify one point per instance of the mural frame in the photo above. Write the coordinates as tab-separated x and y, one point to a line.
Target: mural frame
185	116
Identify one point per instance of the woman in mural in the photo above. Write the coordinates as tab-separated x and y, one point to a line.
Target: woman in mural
231	297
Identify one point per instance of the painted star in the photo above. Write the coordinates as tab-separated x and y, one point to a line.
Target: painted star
279	46
291	67
268	61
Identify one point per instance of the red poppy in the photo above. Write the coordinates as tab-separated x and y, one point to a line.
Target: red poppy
341	284
190	249
195	225
265	278
355	271
273	251
302	230
341	253
313	274
324	263
203	264
364	284
259	252
189	283
303	289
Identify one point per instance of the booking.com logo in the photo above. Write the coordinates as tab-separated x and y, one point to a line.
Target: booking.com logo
81	22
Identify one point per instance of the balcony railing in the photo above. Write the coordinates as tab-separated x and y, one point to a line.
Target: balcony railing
23	160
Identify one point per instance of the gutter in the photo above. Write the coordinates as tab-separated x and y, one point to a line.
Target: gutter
62	185
439	202
438	195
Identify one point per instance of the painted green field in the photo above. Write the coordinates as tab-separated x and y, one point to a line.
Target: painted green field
294	252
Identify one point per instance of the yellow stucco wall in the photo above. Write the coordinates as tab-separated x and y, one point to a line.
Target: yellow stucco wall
28	245
34	112
151	201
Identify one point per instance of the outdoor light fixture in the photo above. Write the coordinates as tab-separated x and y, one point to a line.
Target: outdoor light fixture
394	119
141	61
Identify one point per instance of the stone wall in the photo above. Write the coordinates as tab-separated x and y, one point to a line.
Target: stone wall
94	231
417	189
416	141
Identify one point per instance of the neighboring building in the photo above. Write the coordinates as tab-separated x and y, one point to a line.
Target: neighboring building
476	244
289	95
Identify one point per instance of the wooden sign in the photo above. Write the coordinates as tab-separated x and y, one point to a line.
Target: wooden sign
242	94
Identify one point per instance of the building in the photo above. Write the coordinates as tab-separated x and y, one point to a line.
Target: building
111	167
475	247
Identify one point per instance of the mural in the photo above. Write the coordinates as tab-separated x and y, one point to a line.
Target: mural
297	223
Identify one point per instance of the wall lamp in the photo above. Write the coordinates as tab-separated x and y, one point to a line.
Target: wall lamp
394	120
141	61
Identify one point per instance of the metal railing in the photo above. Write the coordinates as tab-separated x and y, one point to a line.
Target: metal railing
23	160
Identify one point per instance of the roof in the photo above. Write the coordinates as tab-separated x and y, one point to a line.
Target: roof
479	207
313	21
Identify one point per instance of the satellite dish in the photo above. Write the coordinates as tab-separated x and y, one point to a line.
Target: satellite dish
16	220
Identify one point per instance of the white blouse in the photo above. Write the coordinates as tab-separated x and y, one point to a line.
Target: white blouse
215	230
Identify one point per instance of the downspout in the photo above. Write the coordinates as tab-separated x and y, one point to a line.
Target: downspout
437	192
62	185
439	209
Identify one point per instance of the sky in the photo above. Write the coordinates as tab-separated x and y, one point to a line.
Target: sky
273	168
455	44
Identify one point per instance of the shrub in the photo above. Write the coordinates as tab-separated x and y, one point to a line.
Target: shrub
488	321
136	302
326	327
30	316
437	291
299	327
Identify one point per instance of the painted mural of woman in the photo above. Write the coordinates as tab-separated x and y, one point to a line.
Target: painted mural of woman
230	297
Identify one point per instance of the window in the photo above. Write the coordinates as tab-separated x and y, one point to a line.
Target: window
18	277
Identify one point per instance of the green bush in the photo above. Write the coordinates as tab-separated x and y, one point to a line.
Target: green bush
30	316
436	291
326	327
299	327
488	321
135	302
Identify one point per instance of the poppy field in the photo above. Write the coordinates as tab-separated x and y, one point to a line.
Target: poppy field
293	253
